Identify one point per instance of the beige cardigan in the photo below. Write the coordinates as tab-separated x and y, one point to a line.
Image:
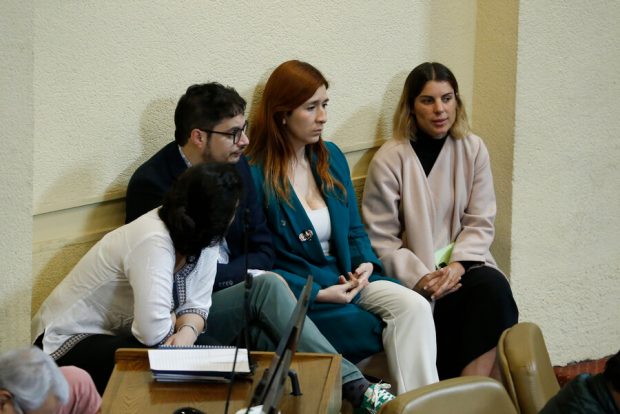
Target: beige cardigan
409	216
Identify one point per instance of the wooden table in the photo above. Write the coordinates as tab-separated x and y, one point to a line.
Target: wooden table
132	389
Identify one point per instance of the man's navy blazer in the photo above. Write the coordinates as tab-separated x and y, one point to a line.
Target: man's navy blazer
150	182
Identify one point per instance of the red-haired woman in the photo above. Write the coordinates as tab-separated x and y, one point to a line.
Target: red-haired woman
305	187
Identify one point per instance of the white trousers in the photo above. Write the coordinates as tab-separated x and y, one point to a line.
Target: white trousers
409	335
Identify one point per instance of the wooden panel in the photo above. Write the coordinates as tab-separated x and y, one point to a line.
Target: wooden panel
132	389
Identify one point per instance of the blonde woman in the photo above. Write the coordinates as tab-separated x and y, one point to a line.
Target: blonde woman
430	191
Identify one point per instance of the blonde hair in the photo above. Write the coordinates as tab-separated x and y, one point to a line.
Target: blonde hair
404	124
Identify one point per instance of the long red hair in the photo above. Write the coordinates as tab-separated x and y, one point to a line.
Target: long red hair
289	86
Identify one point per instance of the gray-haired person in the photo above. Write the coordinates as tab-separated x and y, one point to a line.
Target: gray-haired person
32	383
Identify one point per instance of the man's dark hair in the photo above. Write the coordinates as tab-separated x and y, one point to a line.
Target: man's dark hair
200	206
203	106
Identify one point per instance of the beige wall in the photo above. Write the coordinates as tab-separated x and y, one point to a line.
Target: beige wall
106	77
108	74
494	107
565	227
16	118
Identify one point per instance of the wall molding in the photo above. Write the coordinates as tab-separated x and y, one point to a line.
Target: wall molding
55	206
66	204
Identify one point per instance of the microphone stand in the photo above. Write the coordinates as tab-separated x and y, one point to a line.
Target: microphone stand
246	309
248	286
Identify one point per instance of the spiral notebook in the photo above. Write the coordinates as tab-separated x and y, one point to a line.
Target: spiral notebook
197	363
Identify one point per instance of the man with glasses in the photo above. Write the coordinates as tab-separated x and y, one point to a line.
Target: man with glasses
210	127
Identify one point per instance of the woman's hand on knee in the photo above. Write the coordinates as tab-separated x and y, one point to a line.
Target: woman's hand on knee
449	282
343	292
362	273
435	285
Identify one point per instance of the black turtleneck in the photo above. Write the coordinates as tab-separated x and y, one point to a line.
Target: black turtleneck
427	149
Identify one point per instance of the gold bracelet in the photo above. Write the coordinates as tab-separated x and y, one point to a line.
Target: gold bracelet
189	325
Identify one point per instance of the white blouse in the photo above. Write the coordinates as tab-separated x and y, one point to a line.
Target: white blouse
323	227
125	285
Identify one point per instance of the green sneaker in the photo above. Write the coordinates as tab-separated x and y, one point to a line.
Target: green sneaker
374	397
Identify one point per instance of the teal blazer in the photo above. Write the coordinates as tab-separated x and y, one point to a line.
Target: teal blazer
354	332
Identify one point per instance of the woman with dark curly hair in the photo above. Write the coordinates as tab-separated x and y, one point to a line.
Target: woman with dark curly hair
146	283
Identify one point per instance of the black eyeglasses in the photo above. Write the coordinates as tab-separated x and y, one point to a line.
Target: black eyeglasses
235	135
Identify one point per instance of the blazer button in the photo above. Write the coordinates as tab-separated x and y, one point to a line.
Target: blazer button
283	223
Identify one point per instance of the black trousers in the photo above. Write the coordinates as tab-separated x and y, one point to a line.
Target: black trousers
470	321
